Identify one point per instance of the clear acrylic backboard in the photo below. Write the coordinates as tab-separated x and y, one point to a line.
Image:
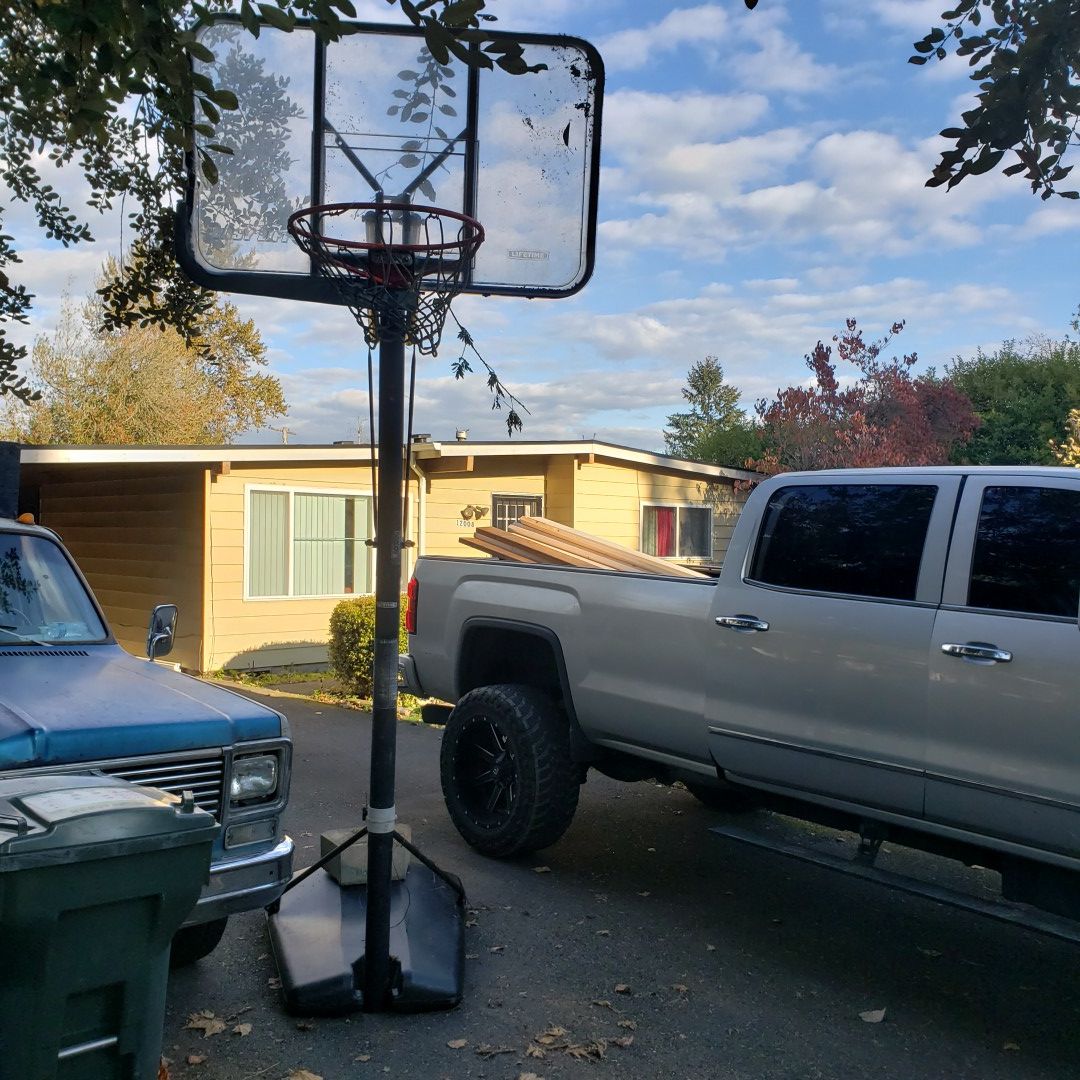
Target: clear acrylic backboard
373	116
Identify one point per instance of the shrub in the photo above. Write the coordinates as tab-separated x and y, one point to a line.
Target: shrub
352	642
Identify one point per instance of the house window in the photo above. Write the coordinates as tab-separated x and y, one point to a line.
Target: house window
506	509
683	532
308	543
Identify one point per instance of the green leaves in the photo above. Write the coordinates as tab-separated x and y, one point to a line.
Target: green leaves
715	429
1023	392
119	89
501	397
1027	66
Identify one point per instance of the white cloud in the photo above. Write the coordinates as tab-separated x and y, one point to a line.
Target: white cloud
707	25
862	17
1051	219
778	63
640	121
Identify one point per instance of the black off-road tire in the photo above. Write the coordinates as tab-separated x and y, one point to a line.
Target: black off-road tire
508	779
191	943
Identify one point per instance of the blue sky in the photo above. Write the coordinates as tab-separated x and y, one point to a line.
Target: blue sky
763	179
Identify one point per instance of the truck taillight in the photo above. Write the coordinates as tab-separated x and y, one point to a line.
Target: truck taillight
411	596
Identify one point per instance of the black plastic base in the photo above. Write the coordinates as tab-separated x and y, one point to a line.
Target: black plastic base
318	938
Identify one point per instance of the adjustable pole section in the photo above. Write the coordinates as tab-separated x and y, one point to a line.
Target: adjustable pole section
381	809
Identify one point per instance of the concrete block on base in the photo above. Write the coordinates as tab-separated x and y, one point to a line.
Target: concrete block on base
350	867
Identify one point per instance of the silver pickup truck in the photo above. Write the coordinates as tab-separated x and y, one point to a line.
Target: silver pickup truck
892	651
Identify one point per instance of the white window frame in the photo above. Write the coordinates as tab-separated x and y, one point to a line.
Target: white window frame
530	495
676	506
293	491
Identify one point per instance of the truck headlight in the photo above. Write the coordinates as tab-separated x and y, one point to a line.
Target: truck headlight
253	777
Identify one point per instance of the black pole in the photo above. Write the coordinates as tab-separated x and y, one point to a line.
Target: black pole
381	811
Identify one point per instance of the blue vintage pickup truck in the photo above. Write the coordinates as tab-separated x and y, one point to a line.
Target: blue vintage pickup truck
72	700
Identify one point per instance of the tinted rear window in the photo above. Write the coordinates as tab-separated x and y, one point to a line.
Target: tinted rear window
1027	551
859	539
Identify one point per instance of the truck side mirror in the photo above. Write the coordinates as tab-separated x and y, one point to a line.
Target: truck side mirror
159	638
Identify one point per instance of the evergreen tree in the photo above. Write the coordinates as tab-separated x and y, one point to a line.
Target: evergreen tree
715	429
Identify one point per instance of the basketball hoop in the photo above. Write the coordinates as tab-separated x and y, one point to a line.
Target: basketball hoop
391	261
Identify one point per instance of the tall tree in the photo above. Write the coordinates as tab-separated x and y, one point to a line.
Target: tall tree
1024	57
107	87
715	429
1022	393
887	417
145	384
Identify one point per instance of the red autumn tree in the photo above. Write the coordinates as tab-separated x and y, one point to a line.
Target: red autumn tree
886	417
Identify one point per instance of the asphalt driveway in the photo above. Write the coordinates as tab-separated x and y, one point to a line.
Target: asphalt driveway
641	945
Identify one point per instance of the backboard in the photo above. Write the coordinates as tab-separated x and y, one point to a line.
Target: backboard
374	116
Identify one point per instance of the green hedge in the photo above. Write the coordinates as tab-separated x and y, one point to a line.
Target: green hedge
352	642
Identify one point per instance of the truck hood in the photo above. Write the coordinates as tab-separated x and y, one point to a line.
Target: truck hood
64	704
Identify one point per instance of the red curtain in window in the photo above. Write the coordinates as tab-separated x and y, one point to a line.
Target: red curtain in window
665	530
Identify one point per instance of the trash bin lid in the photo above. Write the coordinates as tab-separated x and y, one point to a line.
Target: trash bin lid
74	817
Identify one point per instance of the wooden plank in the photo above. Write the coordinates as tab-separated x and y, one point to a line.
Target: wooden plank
527	549
569	549
539	540
542	526
492	547
627	556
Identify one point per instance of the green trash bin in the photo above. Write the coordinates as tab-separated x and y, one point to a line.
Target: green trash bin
96	875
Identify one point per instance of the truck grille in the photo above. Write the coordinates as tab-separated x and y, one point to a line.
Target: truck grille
204	777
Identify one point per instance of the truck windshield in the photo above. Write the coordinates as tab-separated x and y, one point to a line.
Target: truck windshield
41	596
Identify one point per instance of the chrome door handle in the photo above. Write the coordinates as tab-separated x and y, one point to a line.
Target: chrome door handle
978	650
741	622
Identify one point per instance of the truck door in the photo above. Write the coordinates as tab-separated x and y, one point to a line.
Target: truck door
820	638
1003	749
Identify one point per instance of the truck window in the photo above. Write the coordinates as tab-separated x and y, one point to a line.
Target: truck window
41	596
1027	551
856	539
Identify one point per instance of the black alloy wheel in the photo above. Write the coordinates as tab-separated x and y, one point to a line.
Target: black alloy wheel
508	778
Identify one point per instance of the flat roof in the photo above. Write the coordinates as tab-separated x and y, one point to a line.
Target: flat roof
304	454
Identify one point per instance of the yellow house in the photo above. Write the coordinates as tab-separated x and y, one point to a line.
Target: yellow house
256	544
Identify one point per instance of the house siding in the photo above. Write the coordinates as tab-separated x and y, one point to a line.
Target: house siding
606	502
137	537
447	493
560	505
149	532
246	633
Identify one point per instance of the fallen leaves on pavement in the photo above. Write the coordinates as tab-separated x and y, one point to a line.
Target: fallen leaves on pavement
206	1022
485	1050
557	1039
